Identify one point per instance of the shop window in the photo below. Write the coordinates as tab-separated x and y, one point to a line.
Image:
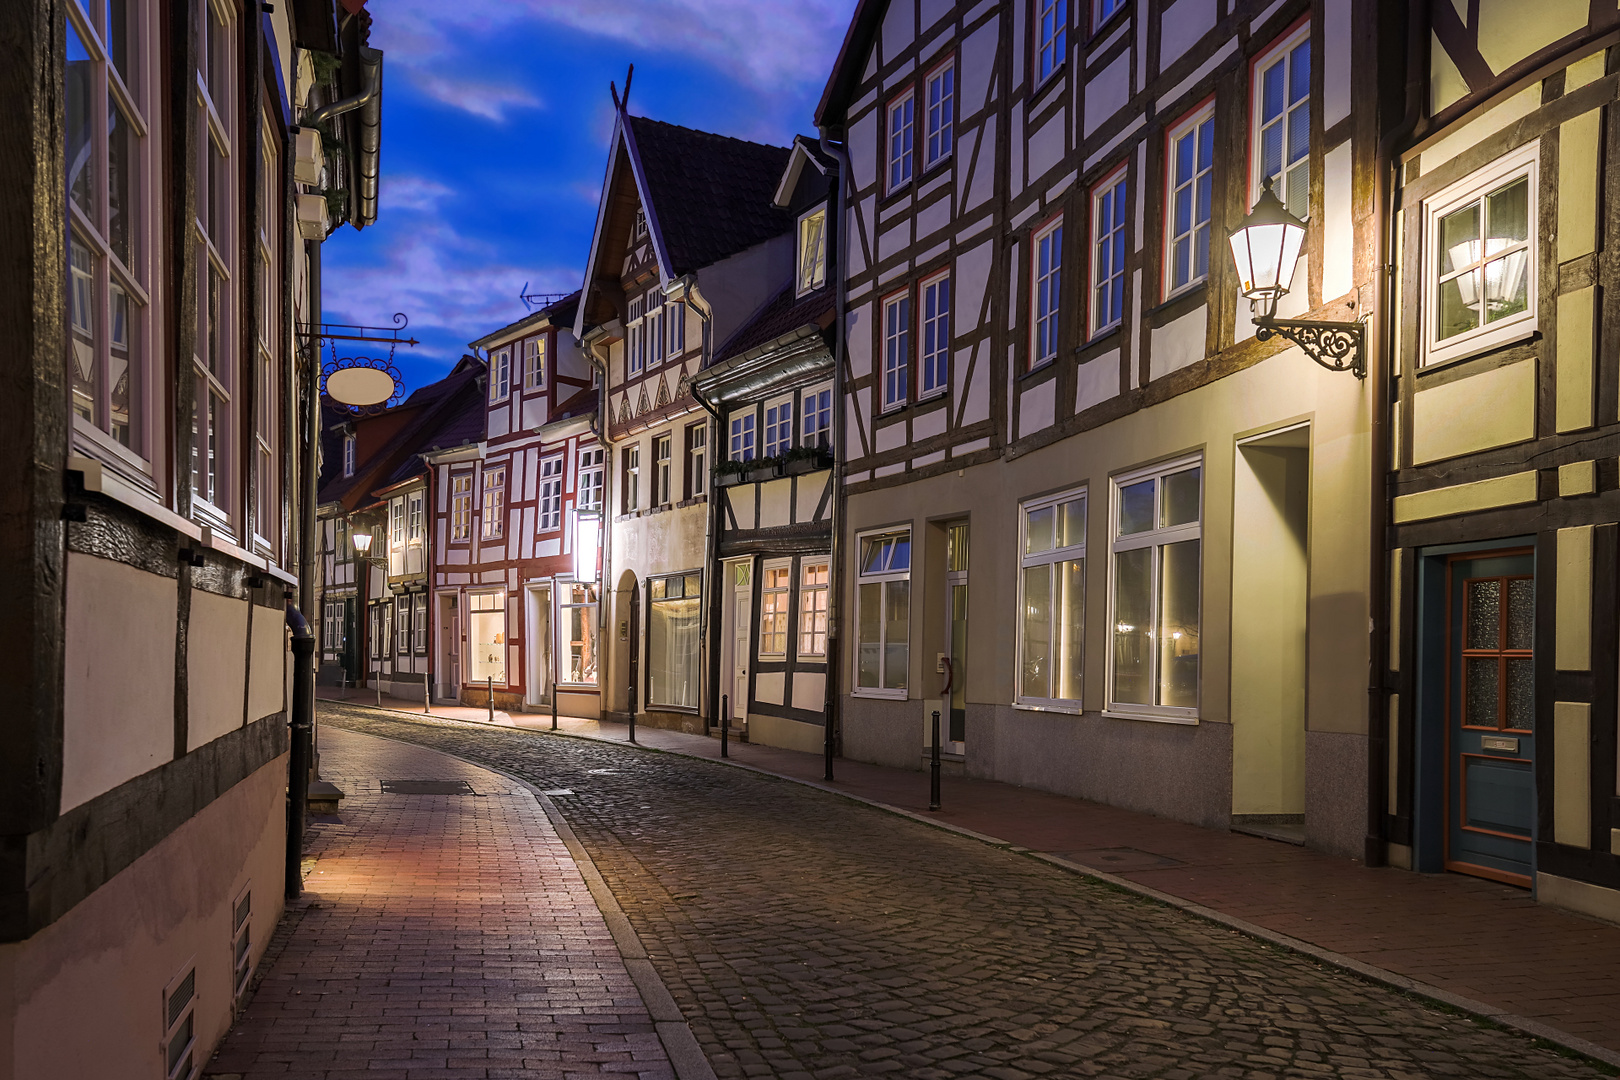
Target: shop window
576	633
674	617
1052	600
883	614
486	633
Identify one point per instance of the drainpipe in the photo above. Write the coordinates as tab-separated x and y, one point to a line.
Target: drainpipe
834	707
685	288
1385	339
302	738
599	425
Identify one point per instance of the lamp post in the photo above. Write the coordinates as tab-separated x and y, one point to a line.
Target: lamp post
362	548
1265	250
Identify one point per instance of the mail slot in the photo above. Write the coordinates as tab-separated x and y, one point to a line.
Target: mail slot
1491	742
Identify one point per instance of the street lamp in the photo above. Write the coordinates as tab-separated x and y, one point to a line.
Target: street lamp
1265	250
362	543
587	533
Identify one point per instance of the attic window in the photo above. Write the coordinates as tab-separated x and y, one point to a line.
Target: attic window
812	250
641	224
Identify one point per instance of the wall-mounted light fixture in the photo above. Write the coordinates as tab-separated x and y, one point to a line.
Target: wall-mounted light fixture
1265	249
587	539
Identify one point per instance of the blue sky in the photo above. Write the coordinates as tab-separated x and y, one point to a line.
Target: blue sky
496	118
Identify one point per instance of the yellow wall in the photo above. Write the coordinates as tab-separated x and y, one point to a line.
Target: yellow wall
1493	408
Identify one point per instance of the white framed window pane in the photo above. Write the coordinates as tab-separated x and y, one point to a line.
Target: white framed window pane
869	636
1071	523
1133	616
1136	507
1035	663
672	652
896	633
936	335
1069	611
1178	625
1182	492
83	305
1039	527
941	110
896	351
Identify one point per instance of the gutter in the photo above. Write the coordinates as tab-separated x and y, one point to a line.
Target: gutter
599	360
368	150
834	703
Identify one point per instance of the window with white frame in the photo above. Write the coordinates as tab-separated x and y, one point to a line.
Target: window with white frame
214	356
674	622
1046	268
1479	286
778	426
812	250
1103	10
936	336
817	429
486	637
534	364
697	448
402	625
576	633
675	316
939	90
632	478
742	436
653	327
551	492
500	375
1156	590
396	522
1191	153
414	525
1051	36
641	223
814	581
419	626
348	455
775	586
265	523
590	478
902	127
1052	600
1108	210
663	492
883	614
461	509
636	357
494	517
896	350
1281	124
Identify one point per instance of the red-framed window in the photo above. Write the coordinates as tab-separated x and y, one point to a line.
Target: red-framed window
1280	119
1189	162
1110	239
1045	290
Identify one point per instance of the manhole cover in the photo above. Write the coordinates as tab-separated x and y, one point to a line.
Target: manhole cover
427	787
1120	859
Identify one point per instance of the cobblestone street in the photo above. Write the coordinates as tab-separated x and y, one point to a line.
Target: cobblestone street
806	935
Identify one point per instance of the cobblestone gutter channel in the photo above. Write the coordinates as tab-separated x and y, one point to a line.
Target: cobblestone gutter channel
801	935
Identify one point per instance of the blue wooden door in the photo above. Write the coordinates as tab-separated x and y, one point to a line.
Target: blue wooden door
1491	717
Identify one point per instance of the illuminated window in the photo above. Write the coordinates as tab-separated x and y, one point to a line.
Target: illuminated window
883	614
813	591
773	608
1051	600
494	503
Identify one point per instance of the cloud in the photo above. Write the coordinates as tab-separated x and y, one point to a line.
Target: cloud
402	193
489	100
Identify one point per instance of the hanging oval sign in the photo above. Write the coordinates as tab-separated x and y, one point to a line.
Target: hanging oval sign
360	386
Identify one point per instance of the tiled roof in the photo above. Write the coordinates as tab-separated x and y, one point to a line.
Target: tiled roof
710	193
783	314
560	313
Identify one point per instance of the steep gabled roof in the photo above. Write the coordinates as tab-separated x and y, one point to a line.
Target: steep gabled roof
559	313
781	315
846	73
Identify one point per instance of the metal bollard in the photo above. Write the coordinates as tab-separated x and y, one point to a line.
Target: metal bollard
427	693
553	706
933	767
725	725
632	723
491	698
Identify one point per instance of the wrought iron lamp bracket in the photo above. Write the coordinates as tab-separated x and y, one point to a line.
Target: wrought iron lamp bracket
1337	346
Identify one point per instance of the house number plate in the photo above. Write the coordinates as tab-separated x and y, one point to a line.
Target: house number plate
1492	743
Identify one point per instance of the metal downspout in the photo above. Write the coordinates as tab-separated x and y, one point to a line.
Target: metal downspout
605	533
834	703
301	724
307	598
707	656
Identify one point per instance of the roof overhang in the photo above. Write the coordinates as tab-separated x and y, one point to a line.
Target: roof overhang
453	454
795	168
796	354
565	428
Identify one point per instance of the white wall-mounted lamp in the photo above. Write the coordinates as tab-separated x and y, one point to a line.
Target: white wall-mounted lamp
587	539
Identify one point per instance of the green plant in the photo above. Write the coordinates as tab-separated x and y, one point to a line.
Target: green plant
732	468
337	201
325	64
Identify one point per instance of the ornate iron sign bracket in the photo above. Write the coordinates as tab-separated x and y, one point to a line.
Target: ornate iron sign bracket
1337	346
333	333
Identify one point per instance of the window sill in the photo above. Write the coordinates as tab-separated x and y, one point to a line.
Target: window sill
1106	26
651	706
1041	84
1489	341
1039	369
95	477
1156	718
1069	710
879	695
1178	303
1100	342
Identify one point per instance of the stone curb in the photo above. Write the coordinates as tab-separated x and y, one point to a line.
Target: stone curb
1524	1025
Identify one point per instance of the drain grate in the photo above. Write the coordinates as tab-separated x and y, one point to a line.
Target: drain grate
427	787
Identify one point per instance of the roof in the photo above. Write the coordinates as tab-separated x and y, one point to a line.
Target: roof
781	315
846	73
560	313
711	194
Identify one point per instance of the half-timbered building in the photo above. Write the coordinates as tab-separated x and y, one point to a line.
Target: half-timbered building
1503	657
688	246
1091	519
515	622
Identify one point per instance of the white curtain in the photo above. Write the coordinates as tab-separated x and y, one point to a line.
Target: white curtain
672	652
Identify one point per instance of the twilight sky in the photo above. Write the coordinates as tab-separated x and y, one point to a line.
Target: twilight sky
496	118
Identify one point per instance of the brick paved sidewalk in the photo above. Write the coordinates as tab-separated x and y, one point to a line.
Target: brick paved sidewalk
1489	943
441	936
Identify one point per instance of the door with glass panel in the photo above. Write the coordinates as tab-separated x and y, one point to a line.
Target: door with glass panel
953	738
1490	716
741	644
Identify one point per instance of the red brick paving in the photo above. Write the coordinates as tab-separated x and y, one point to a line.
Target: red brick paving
1465	935
442	936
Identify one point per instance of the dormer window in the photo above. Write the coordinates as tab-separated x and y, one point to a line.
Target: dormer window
641	224
813	250
500	375
348	455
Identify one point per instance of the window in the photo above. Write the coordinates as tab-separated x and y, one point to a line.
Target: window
940	89
697	442
936	335
590	478
632	477
901	126
1108	208
1282	122
663	470
676	317
180	1026
348	455
486	637
742	436
214	359
534	364
576	633
265	524
108	170
461	506
494	502
500	375
551	491
414	524
653	327
634	340
1052	600
817	417
776	582
1051	26
1104	10
641	223
1479	287
813	250
896	350
402	618
1186	235
396	522
778	427
813	590
883	614
1046	251
674	615
419	624
1155	605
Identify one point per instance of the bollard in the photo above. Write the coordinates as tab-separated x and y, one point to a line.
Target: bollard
492	699
725	725
933	768
553	706
632	723
827	745
379	688
427	693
